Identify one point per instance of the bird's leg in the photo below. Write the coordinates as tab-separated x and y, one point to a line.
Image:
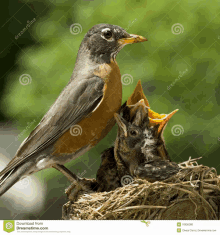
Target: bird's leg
77	184
84	185
69	175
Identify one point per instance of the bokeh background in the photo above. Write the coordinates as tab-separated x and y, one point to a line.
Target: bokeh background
179	68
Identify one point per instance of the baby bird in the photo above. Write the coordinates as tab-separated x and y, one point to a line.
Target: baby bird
139	152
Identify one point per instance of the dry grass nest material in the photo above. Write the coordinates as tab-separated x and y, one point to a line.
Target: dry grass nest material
193	193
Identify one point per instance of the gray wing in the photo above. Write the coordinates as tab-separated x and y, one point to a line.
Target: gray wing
79	98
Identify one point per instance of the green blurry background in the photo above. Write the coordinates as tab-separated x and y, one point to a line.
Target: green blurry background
179	68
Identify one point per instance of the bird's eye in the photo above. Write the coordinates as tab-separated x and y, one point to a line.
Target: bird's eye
133	133
107	34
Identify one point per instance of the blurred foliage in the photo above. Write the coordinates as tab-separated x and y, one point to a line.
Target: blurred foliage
158	63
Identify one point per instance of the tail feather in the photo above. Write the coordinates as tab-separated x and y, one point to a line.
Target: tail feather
13	176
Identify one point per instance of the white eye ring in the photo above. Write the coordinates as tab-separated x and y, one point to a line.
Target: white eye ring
104	30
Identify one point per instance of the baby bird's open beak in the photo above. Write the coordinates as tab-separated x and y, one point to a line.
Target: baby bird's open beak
133	38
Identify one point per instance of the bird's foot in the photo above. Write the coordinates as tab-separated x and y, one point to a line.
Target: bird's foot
81	186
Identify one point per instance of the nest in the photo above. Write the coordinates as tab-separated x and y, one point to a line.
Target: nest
193	193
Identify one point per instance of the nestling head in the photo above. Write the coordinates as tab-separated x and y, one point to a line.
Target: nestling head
140	138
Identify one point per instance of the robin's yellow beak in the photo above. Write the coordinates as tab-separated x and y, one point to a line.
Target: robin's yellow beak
132	39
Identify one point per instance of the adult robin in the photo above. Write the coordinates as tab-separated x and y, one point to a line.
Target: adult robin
83	113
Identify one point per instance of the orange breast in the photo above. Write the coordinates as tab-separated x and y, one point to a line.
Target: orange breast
97	125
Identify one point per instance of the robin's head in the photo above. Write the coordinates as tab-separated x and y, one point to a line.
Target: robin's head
104	41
